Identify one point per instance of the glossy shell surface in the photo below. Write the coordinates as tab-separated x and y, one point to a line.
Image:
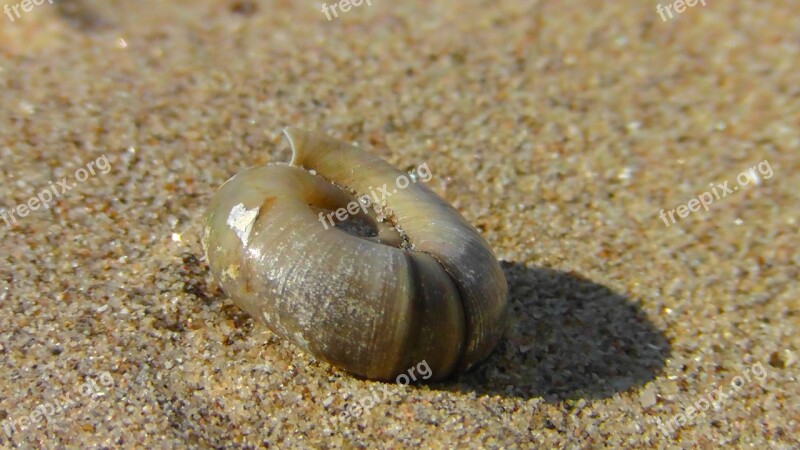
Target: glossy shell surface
402	280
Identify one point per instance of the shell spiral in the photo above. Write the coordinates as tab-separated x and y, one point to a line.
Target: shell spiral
371	296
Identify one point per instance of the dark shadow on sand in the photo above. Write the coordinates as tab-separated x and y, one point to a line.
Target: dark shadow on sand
568	338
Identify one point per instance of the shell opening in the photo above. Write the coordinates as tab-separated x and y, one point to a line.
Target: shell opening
360	220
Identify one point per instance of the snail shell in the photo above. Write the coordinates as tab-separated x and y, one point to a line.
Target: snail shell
371	296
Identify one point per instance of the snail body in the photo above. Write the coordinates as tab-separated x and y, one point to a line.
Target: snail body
369	295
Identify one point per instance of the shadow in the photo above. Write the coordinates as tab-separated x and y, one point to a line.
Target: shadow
568	338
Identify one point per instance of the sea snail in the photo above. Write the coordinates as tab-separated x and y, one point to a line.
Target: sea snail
404	280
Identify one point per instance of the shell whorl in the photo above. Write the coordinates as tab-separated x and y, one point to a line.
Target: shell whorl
424	286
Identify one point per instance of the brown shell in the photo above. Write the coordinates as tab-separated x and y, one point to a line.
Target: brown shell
372	296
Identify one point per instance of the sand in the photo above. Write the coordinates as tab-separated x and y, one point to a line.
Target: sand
559	129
